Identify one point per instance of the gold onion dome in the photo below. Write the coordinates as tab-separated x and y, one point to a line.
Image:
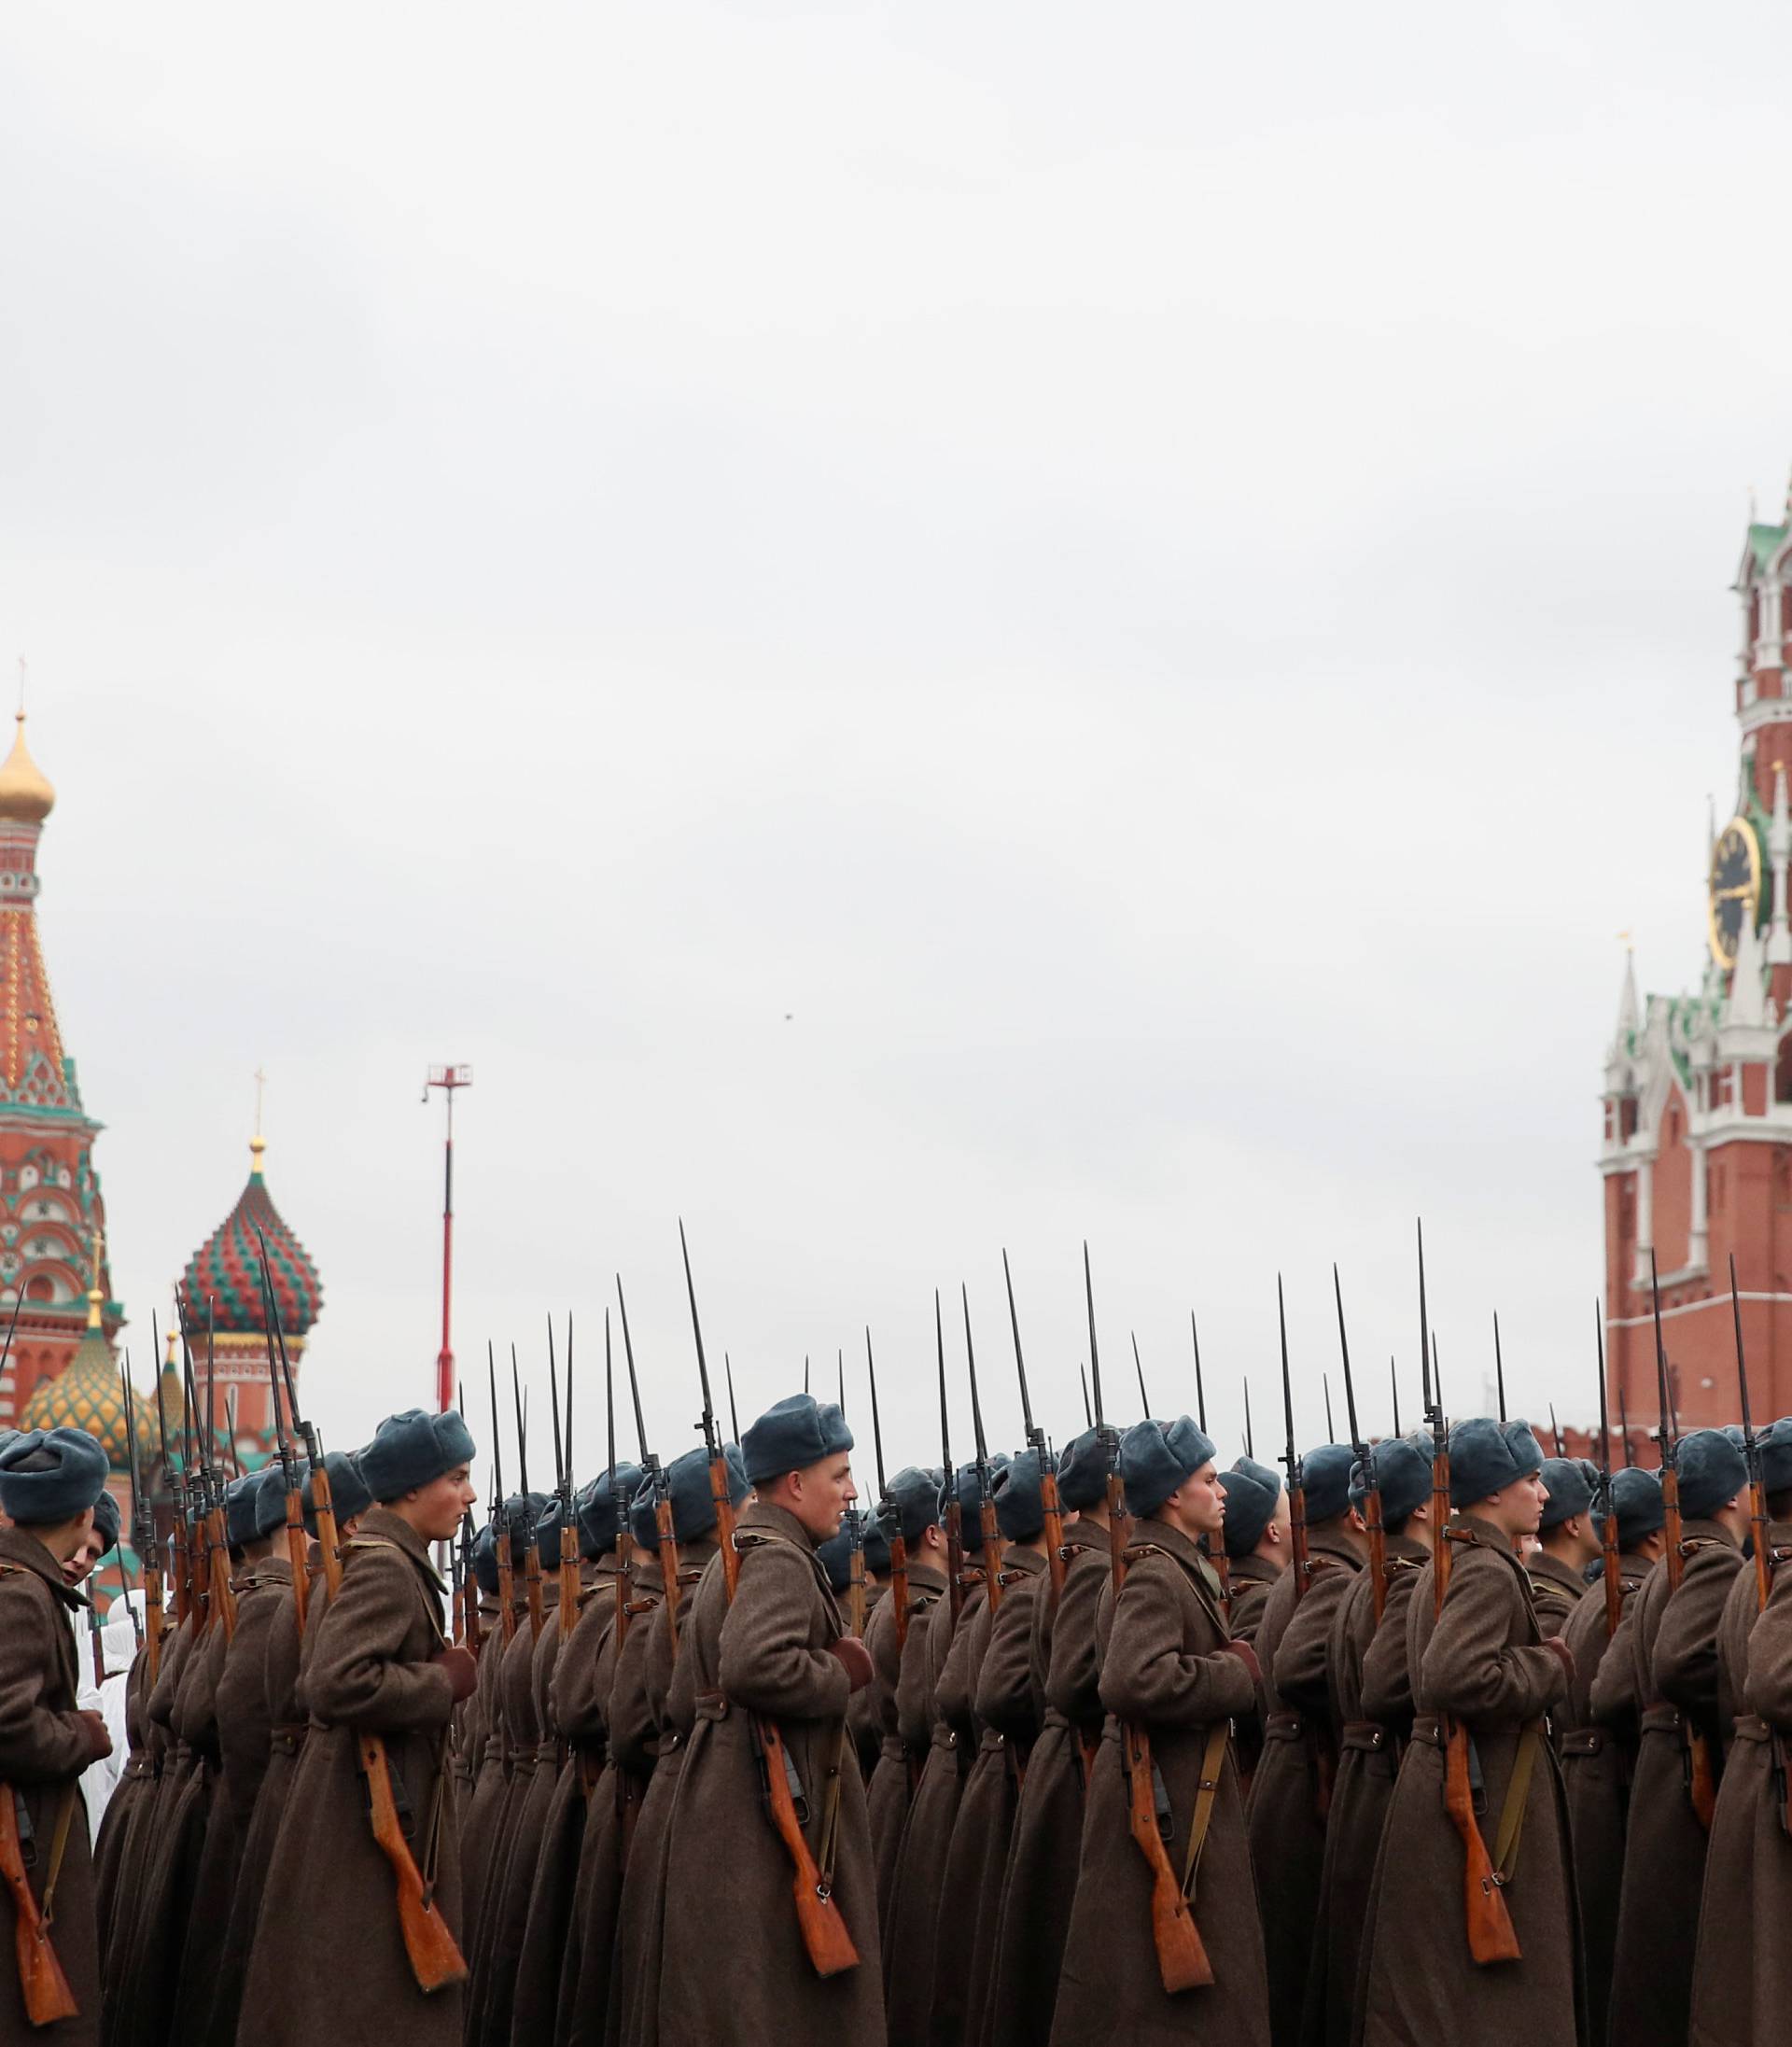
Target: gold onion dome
27	795
89	1394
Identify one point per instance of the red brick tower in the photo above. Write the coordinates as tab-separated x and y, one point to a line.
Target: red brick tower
1697	1151
52	1213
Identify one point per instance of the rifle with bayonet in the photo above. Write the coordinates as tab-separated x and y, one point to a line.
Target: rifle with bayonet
1759	1533
1488	1924
297	1546
954	1506
1608	1558
887	1511
1300	1564
1215	1547
563	1488
500	1519
177	1506
220	1599
143	1537
855	1529
986	1492
1051	1509
825	1938
532	1555
1702	1780
1144	1398
1372	1484
1183	1962
655	1474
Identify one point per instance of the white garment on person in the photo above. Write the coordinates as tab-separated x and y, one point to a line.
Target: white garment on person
118	1650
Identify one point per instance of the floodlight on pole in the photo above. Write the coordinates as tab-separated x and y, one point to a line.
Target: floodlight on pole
448	1079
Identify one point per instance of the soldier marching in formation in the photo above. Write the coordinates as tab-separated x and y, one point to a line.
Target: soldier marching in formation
1420	1740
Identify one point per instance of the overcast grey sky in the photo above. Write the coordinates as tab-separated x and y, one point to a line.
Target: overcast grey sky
916	627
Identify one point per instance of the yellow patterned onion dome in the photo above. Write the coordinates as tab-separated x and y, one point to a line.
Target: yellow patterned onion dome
90	1396
26	793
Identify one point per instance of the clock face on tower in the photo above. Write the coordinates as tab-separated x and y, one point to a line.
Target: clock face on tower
1735	887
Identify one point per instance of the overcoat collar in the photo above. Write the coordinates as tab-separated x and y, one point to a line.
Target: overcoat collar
1085	1535
1553	1568
765	1518
1255	1570
1021	1563
1334	1541
16	1547
1699	1531
926	1578
393	1528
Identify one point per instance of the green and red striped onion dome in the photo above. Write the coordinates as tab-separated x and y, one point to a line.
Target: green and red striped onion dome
227	1266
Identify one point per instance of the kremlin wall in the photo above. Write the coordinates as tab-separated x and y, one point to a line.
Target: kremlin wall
63	1365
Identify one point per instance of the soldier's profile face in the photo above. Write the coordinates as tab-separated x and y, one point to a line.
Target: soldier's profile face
819	1495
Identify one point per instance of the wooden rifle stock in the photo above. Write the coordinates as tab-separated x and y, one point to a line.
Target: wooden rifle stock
825	1939
505	1584
223	1596
1182	1957
532	1578
1377	1546
856	1590
299	1552
899	1590
1701	1779
434	1957
568	1578
43	1987
1052	1508
152	1615
668	1566
1608	1564
953	1549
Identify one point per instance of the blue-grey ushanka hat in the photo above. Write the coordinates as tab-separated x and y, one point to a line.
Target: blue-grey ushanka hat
1712	1470
694	1500
1252	1490
913	1505
486	1560
1636	1495
1326	1474
1020	1513
1569	1483
601	1506
522	1511
1776	1446
1403	1472
348	1493
1155	1459
971	1501
51	1475
877	1546
835	1558
239	1508
547	1530
106	1523
414	1449
1485	1456
270	1513
1082	1471
791	1435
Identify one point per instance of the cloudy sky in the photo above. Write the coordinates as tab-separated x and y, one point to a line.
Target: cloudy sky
916	627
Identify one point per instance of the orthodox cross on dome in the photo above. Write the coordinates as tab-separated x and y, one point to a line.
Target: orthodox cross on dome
258	1143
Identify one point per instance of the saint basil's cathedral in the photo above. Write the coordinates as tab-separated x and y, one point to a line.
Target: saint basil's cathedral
62	1365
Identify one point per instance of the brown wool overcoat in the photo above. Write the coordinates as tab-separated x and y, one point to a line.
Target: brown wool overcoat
244	1732
1040	1885
120	1932
331	1917
1367	1760
1741	1988
912	1923
1291	1792
1483	1661
136	1786
1673	1649
1597	1752
872	1710
734	1965
152	1982
956	1936
1165	1665
536	1774
902	1750
285	1658
1252	1581
42	1750
1556	1589
1007	1703
634	2018
499	1907
615	1811
577	1712
490	1766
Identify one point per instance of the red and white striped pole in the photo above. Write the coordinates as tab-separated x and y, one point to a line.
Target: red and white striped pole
448	1078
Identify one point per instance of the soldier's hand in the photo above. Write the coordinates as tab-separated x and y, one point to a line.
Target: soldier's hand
1247	1656
99	1736
1563	1653
855	1659
463	1672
